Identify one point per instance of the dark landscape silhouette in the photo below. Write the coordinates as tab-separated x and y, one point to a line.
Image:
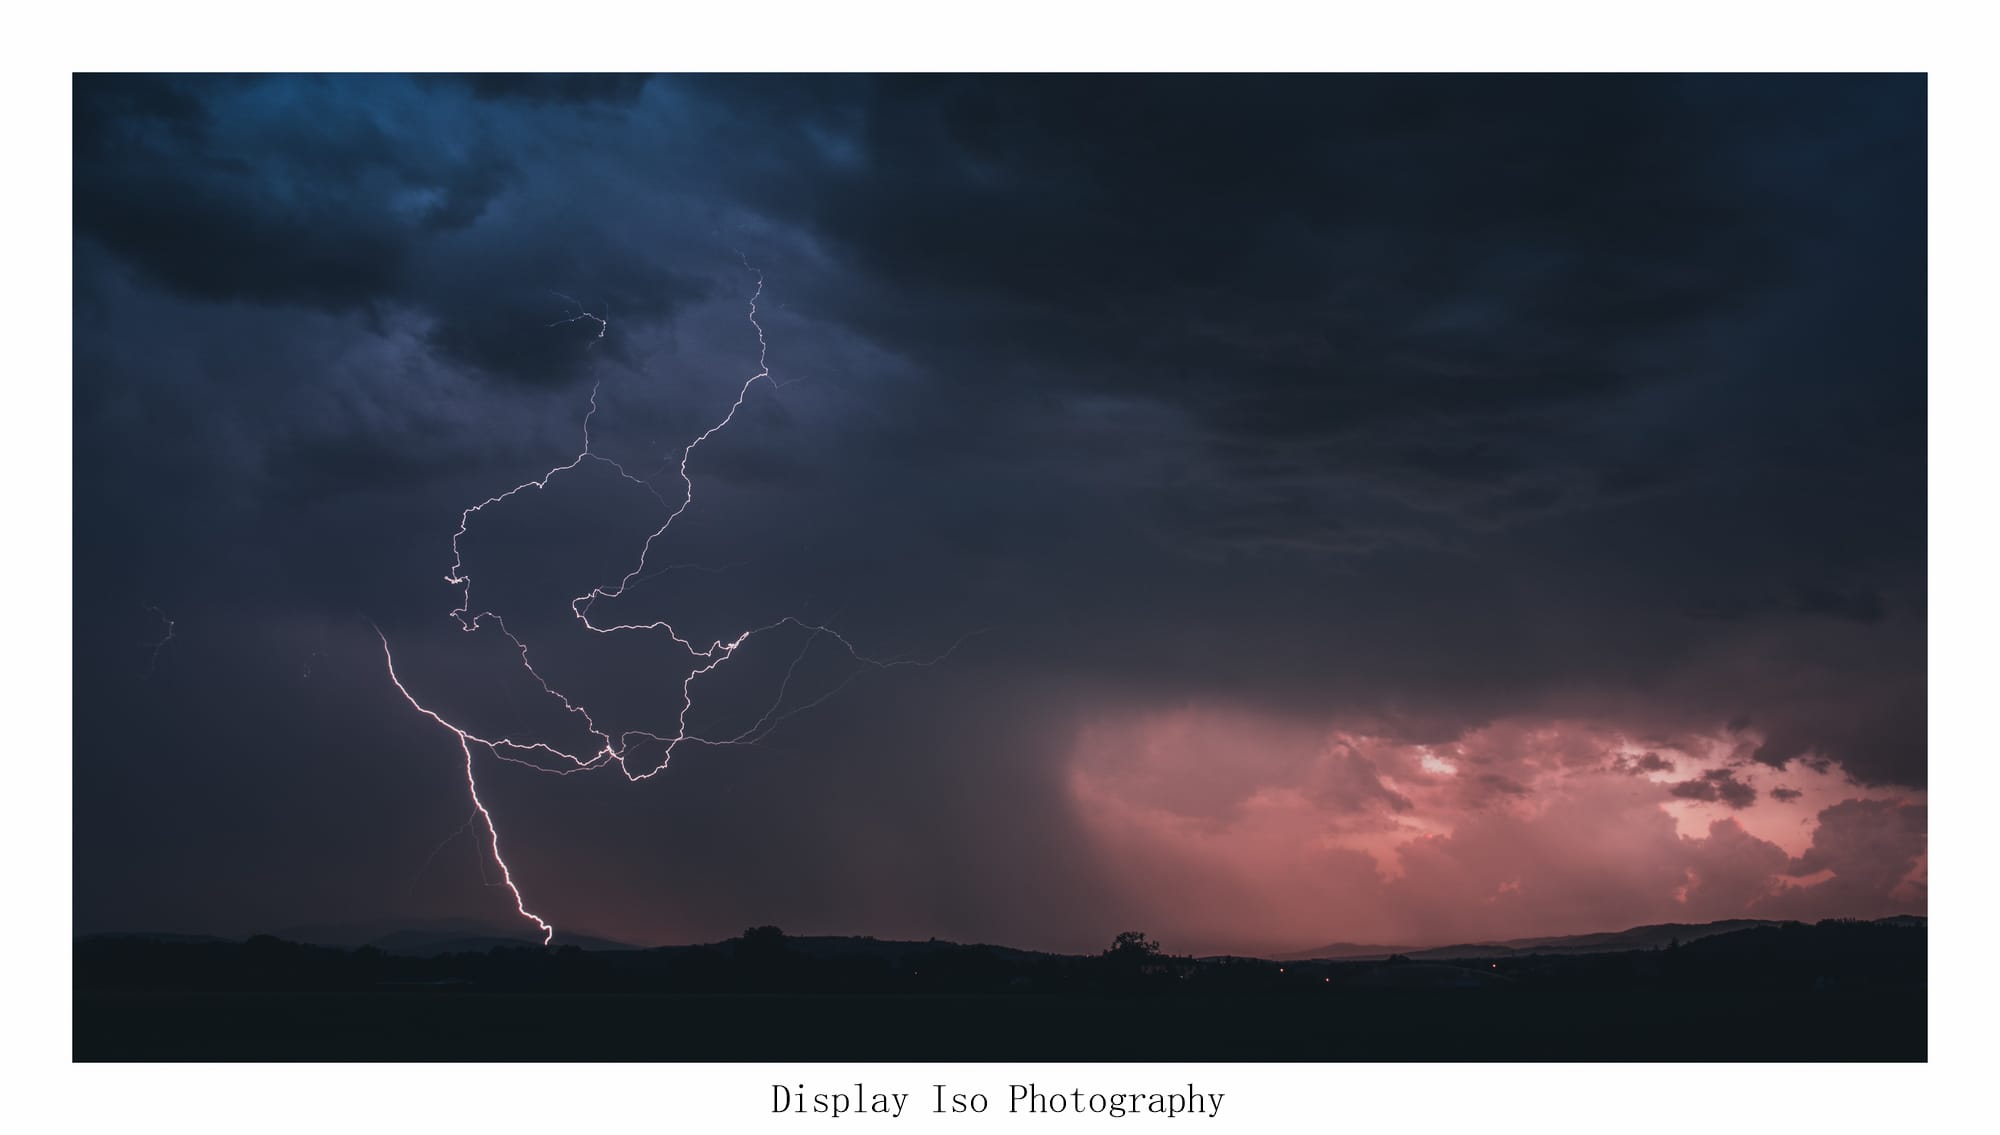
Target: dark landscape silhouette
1737	990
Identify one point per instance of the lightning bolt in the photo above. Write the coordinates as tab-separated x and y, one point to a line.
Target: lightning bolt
610	749
446	842
153	661
582	313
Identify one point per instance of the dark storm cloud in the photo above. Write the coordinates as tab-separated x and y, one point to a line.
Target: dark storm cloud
1628	335
1717	786
227	210
606	88
1874	852
1644	763
1439	286
1418	401
351	196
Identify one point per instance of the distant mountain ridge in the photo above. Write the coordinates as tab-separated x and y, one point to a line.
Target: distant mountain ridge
439	937
1649	937
432	937
839	946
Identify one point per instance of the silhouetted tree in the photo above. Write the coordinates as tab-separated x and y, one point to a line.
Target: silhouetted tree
763	942
1127	963
1133	945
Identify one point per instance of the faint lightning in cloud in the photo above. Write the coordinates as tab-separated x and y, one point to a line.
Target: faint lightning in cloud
153	660
582	313
470	819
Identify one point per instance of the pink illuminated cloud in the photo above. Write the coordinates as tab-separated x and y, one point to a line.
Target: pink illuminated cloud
1247	832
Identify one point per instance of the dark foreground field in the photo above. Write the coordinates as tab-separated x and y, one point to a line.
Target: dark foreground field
1834	991
1387	1024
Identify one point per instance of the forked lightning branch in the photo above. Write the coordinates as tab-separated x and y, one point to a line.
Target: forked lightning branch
614	749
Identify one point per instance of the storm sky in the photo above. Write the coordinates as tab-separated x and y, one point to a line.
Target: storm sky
1382	509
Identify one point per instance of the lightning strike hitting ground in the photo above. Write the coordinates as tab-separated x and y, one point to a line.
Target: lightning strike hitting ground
614	750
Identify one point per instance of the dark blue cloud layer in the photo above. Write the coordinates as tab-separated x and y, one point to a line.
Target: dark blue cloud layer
1425	399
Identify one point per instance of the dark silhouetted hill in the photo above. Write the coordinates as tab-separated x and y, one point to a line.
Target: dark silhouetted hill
1637	938
432	937
1839	989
